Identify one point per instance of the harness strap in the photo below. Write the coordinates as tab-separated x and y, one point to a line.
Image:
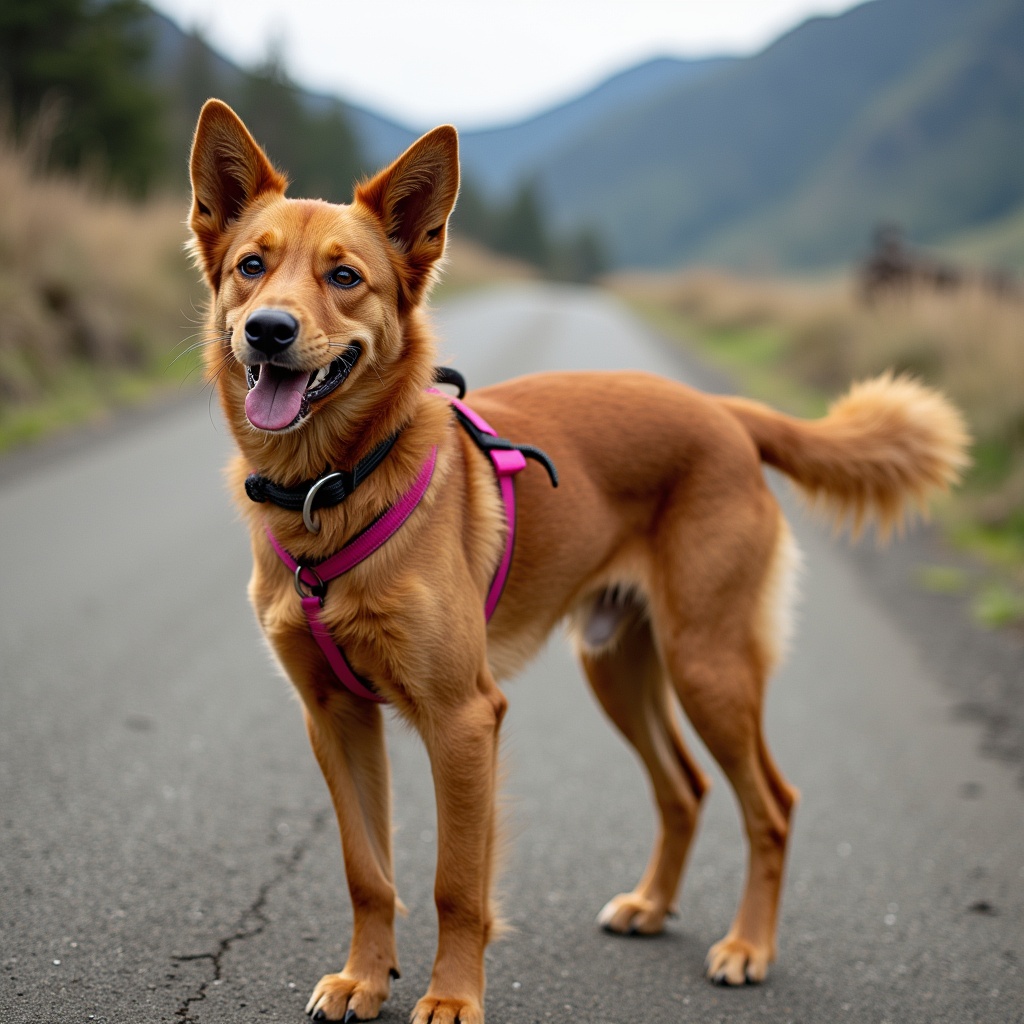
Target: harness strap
507	460
334	654
365	543
355	551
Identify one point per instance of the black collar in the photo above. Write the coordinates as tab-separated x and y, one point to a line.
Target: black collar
334	486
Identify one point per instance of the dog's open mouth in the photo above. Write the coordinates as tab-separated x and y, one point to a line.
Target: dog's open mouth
279	397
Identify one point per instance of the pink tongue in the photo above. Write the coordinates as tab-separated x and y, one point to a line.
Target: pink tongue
276	399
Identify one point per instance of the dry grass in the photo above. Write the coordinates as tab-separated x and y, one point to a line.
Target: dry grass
968	342
94	290
718	301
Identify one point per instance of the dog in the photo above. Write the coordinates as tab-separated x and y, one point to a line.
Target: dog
662	547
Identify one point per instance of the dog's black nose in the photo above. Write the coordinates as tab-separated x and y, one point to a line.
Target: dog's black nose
271	330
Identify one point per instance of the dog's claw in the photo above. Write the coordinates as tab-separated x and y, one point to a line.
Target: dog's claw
609	930
319	1015
395	973
350	1015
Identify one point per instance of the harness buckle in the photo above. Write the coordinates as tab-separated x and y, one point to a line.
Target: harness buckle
314	591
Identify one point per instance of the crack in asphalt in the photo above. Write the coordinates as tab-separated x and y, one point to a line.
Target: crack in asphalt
252	922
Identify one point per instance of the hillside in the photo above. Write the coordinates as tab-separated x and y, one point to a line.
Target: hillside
499	158
901	109
993	245
940	152
99	307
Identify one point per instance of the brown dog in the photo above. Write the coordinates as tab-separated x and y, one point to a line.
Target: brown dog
663	547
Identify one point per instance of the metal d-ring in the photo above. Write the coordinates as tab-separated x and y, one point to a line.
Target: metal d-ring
299	583
312	524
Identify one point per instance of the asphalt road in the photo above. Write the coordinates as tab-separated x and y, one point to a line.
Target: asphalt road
167	852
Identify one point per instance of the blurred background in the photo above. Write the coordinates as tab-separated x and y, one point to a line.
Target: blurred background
770	196
803	193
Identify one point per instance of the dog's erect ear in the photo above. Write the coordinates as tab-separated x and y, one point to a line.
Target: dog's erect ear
229	170
413	199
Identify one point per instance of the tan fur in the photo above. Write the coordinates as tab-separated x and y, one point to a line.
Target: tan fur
663	524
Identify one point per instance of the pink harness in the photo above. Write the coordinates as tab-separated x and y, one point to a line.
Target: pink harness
506	461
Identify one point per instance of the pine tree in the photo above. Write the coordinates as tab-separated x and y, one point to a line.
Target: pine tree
521	230
81	62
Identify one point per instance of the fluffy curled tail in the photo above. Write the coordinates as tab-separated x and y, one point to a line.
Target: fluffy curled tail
879	454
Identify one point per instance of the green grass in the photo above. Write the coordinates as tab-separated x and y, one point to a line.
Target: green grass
942	579
82	393
998	604
1002	547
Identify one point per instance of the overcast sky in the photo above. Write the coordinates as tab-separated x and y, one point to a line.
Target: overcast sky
476	64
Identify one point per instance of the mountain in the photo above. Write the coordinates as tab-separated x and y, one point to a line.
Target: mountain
910	110
941	152
897	110
498	159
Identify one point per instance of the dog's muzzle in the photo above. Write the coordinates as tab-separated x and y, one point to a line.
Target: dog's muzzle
280	397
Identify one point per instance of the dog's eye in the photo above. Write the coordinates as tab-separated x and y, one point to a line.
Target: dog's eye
251	266
345	277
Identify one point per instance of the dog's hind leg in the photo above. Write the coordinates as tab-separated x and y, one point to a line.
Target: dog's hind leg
347	736
715	689
630	685
712	622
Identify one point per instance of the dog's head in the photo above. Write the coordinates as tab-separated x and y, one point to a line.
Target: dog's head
315	306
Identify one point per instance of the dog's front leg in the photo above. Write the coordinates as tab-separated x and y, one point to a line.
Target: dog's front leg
347	736
462	740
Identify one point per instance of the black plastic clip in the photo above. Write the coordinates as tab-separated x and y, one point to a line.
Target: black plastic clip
488	442
447	375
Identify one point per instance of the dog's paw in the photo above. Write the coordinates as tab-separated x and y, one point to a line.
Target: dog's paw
629	913
340	997
737	962
433	1010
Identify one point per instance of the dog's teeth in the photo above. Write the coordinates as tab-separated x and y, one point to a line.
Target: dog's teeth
321	375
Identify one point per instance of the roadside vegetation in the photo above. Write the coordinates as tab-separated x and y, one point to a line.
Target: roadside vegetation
800	344
94	297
